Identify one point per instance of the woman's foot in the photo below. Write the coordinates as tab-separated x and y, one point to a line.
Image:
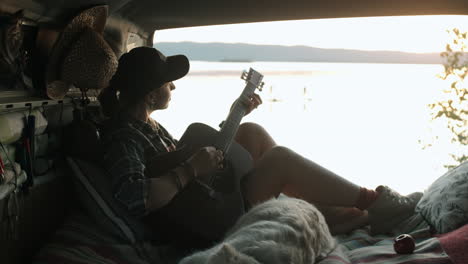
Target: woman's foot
390	208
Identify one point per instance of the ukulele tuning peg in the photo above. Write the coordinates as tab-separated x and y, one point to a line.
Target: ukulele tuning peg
260	86
244	75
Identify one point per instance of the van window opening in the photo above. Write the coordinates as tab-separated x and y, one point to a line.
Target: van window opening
359	107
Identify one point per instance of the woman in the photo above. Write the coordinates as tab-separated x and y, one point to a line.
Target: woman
144	82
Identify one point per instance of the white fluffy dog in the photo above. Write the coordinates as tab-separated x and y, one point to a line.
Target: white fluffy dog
278	231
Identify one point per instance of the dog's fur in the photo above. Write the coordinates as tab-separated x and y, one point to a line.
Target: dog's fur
278	231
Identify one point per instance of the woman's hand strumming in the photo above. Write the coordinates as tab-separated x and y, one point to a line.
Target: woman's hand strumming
206	160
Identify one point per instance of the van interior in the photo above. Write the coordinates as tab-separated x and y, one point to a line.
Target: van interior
38	128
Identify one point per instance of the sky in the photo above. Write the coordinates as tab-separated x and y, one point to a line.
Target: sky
410	34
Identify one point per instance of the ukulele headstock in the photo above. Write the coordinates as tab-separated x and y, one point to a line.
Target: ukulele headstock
254	78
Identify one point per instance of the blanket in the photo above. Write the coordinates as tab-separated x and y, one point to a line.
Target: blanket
361	247
78	242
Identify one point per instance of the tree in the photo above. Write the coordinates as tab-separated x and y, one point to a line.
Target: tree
454	106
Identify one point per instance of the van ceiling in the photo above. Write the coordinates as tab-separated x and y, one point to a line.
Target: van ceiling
150	15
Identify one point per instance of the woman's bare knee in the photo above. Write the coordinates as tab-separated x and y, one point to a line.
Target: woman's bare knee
250	126
250	130
255	139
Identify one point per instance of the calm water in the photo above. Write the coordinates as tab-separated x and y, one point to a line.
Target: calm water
362	121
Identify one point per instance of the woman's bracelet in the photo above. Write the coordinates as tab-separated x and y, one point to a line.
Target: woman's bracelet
189	169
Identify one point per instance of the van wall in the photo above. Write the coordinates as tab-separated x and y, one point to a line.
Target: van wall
30	214
35	189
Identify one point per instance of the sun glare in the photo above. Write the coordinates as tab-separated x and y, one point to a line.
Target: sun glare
410	34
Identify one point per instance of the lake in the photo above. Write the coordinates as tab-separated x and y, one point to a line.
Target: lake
362	121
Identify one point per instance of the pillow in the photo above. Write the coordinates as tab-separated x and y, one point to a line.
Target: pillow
96	198
444	204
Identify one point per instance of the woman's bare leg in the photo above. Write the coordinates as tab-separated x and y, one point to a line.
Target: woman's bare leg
281	170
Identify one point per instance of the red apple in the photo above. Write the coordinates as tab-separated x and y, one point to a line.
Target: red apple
404	244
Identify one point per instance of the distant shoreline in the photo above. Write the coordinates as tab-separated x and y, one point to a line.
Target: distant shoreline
337	62
241	52
235	60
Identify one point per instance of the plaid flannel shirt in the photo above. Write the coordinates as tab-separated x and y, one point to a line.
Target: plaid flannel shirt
127	147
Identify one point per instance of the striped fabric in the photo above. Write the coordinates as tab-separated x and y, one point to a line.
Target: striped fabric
360	247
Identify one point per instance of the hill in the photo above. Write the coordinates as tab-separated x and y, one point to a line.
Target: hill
250	52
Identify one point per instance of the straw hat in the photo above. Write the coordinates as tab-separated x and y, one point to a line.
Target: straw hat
80	56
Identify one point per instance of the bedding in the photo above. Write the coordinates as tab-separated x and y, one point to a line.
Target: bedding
79	242
82	241
361	247
444	204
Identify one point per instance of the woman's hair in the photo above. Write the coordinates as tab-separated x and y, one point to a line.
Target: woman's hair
109	101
